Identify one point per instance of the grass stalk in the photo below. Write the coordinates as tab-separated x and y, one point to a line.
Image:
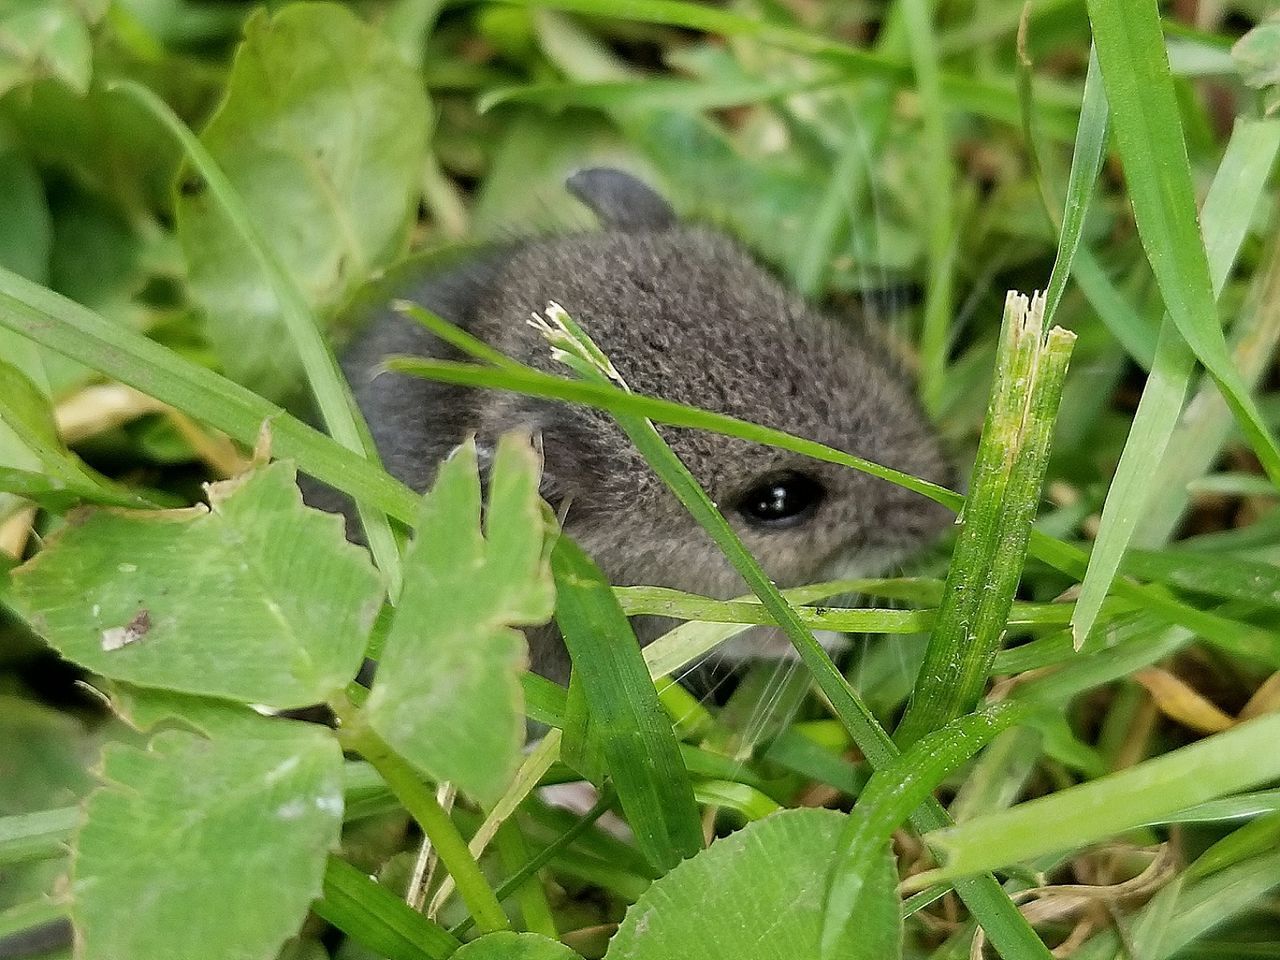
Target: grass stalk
986	565
76	332
889	798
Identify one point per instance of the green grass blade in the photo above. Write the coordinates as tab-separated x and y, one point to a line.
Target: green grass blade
657	94
328	386
1197	441
456	336
1255	642
25	412
42	835
986	565
1218	898
1253	839
940	202
74	331
1148	136
1228	210
1086	164
661	602
538	761
530	897
607	397
419	799
1218	765
1157	413
1135	334
546	854
59	494
35	917
626	720
1147	935
846	192
1226	576
738	797
374	917
796	751
1263	802
1165	633
889	798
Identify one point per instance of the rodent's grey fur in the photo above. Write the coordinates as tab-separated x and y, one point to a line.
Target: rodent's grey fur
684	313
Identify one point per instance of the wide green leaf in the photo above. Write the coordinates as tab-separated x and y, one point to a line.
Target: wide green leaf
254	598
322	133
452	660
227	841
756	894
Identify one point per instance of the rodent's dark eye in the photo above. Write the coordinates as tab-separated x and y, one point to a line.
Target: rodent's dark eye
783	500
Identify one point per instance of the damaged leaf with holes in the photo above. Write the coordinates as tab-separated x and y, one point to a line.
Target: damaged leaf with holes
253	598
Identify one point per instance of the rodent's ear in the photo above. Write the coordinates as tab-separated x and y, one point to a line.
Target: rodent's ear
620	200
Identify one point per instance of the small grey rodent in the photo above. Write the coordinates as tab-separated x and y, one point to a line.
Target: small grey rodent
684	314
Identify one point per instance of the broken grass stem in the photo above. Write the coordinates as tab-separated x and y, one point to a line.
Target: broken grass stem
992	547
